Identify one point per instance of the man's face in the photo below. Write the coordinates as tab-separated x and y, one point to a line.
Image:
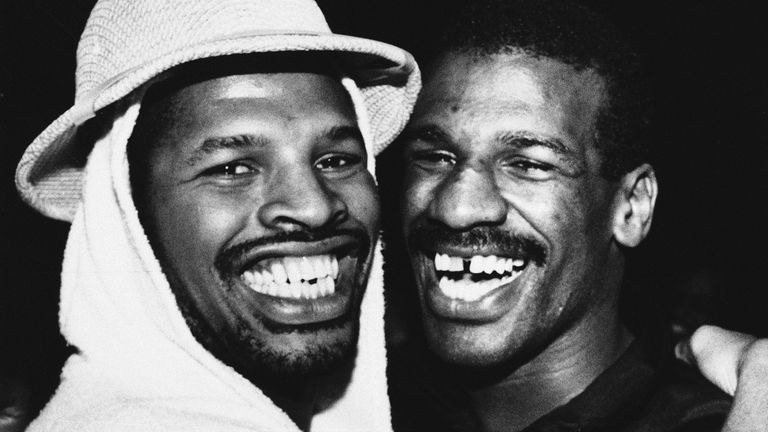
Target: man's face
507	218
259	206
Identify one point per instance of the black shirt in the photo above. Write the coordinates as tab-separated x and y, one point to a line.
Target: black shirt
632	395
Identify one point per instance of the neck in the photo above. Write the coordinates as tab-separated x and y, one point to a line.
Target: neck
560	372
297	400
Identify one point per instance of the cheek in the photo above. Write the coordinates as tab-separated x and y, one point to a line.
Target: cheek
551	209
361	199
415	198
196	225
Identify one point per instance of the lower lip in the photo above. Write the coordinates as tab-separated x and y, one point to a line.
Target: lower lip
488	308
303	311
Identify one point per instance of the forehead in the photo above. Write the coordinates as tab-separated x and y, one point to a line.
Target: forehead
291	95
526	94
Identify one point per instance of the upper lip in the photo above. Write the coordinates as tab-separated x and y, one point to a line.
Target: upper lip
338	245
469	252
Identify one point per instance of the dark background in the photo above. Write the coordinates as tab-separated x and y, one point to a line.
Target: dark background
705	257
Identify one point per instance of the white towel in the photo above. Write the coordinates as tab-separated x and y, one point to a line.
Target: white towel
139	368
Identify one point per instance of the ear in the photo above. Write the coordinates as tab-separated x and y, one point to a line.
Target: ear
635	201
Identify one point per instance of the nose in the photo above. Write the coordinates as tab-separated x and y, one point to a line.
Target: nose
469	198
298	199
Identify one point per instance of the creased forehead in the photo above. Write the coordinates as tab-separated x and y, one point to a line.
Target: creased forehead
507	82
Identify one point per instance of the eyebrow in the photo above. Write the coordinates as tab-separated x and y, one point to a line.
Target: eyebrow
214	144
433	133
250	141
524	140
428	133
343	132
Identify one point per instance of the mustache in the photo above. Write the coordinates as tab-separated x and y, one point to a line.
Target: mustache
434	237
227	260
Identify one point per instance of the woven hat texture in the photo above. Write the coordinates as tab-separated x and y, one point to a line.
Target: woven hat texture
126	43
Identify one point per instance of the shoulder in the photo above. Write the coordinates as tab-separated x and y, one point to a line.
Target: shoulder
684	401
141	415
421	399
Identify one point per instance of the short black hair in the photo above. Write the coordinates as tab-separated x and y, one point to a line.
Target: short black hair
575	35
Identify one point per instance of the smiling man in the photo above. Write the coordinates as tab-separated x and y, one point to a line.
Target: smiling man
225	224
259	181
526	179
254	192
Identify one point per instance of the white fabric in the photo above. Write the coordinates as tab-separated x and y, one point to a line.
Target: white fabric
127	43
139	368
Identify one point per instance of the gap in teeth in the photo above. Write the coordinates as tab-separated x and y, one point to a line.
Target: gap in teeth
478	264
469	279
306	277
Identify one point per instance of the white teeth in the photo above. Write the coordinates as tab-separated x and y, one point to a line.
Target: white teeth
290	276
292	269
320	288
465	290
297	269
267	276
307	270
334	267
278	272
442	262
476	264
318	266
459	284
257	278
248	277
457	264
295	290
489	264
500	266
326	261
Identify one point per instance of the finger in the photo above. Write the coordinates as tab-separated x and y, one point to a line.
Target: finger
717	353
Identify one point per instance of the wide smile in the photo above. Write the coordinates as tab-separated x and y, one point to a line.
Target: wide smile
471	286
470	278
304	277
304	283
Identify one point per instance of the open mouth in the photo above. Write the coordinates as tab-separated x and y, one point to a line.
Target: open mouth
297	277
469	278
301	282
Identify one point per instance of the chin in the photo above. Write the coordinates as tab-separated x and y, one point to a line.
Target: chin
299	354
458	343
478	347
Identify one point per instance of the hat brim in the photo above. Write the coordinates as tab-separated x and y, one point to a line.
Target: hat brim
49	174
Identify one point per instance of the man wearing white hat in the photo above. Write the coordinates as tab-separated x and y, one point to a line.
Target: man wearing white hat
217	168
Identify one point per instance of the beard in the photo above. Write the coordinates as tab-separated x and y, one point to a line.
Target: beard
262	364
313	361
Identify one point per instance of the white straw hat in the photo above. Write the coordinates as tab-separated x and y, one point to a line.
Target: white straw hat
126	43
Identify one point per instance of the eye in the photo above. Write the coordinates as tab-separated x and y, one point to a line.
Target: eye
432	158
529	168
230	170
338	162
